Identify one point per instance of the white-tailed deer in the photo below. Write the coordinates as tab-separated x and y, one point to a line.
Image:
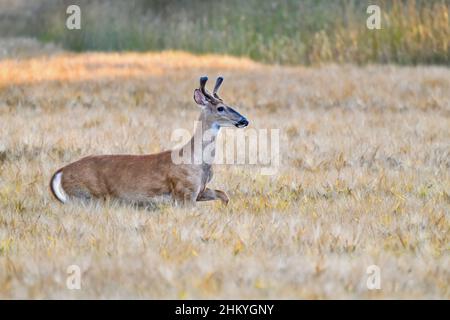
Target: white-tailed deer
141	178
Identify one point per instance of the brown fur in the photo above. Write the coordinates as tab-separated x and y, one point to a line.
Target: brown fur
131	177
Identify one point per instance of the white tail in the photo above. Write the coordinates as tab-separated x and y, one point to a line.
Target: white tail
56	187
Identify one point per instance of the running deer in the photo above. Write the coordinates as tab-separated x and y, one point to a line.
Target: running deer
142	178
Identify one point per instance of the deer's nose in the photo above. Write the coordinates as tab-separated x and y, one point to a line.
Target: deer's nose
242	123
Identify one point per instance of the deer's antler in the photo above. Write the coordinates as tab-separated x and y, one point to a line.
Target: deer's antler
202	87
217	86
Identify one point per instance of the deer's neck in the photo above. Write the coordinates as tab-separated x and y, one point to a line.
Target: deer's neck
202	145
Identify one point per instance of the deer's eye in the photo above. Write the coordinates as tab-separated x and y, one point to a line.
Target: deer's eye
220	109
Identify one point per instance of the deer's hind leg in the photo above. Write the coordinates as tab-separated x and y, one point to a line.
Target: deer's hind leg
209	194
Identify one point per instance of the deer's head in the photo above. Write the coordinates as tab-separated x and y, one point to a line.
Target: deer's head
215	109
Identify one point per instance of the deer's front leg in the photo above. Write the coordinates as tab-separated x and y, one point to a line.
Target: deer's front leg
209	194
185	197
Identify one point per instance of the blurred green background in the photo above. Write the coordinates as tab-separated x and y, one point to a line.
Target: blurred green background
284	31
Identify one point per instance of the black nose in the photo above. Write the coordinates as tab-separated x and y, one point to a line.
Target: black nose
242	123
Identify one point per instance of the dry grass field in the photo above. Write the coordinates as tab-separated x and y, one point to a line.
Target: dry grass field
364	179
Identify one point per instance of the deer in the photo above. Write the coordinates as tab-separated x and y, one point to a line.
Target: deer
143	178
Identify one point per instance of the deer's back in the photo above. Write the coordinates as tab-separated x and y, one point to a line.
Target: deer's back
123	176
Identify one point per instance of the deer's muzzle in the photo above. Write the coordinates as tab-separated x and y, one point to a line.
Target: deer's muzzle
242	123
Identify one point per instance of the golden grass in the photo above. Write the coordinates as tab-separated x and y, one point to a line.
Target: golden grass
365	179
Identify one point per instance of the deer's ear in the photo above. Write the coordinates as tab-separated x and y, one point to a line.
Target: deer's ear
199	97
